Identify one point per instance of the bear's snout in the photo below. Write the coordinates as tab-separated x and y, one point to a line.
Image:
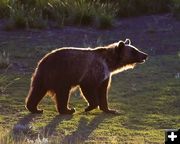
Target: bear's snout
143	57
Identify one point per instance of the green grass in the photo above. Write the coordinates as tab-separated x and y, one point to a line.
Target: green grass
4	59
141	7
176	9
147	98
100	13
36	13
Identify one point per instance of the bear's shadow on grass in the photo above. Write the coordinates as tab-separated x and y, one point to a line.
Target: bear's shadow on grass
50	128
22	129
85	128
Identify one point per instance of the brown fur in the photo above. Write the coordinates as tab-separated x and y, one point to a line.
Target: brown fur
90	69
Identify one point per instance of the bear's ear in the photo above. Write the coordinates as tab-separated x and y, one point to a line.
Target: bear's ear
121	44
128	41
120	47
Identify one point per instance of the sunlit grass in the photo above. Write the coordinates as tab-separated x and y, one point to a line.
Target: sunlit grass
146	97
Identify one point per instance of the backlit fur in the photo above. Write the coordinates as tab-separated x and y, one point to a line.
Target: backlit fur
88	68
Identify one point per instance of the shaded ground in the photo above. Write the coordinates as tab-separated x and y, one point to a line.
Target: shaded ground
156	35
147	97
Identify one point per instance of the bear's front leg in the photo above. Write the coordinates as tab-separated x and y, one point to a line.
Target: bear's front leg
91	95
103	102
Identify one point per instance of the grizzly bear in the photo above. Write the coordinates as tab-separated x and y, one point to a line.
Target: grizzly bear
89	68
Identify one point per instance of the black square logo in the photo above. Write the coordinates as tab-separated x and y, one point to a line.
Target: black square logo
172	136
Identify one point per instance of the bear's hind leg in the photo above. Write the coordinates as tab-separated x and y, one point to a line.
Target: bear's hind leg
62	99
103	91
34	97
90	93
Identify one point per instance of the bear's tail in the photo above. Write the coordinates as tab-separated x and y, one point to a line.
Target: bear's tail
36	93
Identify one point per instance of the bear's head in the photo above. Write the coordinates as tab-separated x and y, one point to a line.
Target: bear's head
129	54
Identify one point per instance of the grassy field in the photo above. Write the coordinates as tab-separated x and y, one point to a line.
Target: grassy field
101	14
147	98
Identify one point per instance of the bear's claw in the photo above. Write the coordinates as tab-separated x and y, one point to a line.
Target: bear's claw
110	111
89	108
34	110
37	111
67	111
